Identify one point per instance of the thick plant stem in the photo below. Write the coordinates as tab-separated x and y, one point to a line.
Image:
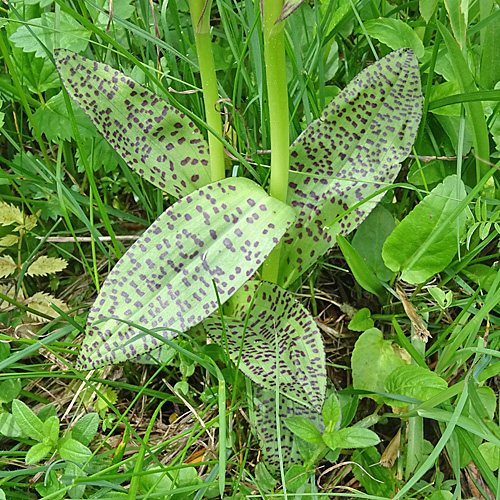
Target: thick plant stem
274	55
200	17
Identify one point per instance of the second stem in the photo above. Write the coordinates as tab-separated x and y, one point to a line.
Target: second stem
277	93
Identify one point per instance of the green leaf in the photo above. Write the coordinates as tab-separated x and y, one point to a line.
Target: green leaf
426	240
264	478
363	274
491	454
29	423
375	479
37	453
332	413
440	92
156	140
275	316
86	428
10	389
395	34
8	426
51	431
457	18
427	8
370	238
71	449
361	321
263	417
219	234
352	151
373	360
414	382
53	120
305	429
352	437
68	35
475	111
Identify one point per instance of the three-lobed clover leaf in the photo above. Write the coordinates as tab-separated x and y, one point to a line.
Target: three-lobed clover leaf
155	139
217	236
352	151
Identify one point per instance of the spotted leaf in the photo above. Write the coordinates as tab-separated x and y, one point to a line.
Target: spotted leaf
156	140
352	151
289	7
274	316
220	234
266	424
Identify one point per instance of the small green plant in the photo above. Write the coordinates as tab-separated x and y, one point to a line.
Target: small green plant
204	250
12	242
44	429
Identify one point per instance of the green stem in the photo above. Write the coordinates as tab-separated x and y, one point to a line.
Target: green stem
277	93
200	17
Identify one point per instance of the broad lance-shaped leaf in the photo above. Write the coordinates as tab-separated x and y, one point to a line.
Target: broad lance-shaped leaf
427	239
351	152
220	234
264	419
275	315
155	139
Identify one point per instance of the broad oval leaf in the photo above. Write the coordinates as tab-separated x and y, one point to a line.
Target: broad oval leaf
274	316
352	437
425	242
350	153
414	382
155	139
395	33
220	234
373	360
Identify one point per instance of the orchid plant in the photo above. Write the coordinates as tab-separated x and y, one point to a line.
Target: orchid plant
206	248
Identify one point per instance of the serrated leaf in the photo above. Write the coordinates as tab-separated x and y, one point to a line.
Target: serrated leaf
156	140
29	423
263	417
425	242
305	429
37	453
7	266
352	437
10	214
221	232
86	428
73	450
373	360
414	382
70	34
46	265
351	152
9	240
275	316
41	302
52	118
395	33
